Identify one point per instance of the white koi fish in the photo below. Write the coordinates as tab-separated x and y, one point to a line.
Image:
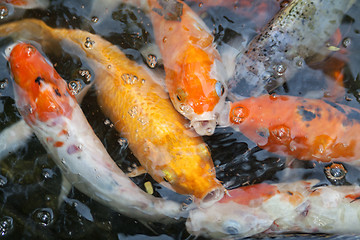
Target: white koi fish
280	208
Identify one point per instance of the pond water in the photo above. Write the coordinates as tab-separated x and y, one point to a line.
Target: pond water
30	181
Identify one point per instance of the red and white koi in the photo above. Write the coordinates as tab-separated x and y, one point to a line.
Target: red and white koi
51	111
307	129
279	208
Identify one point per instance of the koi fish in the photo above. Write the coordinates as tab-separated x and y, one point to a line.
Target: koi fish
195	75
307	129
298	32
141	111
279	208
52	112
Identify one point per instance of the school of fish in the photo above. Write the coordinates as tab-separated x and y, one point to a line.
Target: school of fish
167	145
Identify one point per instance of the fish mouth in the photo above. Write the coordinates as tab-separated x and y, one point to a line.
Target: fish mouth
212	197
204	127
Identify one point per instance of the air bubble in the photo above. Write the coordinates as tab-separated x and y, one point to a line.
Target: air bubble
86	75
94	19
284	3
43	216
280	69
129	78
335	172
47	173
6	225
4	83
346	42
4	11
107	122
3	181
123	142
74	87
133	111
152	61
89	43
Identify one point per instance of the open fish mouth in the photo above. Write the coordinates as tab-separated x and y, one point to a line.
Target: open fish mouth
204	127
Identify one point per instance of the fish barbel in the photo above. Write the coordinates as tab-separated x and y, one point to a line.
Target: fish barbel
46	104
279	208
298	32
307	129
141	111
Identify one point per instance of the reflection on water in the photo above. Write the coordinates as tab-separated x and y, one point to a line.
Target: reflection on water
30	182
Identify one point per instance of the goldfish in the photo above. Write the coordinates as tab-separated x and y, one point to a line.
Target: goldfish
195	75
296	34
48	107
307	129
141	111
264	208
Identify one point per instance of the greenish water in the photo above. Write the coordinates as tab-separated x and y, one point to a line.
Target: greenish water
30	181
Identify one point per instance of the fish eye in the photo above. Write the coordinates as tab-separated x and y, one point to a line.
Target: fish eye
232	227
219	88
180	94
168	176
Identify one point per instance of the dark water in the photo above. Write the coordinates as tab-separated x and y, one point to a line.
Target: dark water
30	181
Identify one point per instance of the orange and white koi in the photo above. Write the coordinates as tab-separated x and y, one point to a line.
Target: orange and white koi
279	208
298	32
52	112
141	111
307	129
195	76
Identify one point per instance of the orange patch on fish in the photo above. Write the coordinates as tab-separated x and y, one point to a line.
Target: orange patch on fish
251	195
17	2
39	83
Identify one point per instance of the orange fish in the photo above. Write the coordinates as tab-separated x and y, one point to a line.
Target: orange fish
141	111
195	76
307	129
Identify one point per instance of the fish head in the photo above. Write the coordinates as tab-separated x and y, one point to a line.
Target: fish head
39	90
200	90
227	221
189	170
